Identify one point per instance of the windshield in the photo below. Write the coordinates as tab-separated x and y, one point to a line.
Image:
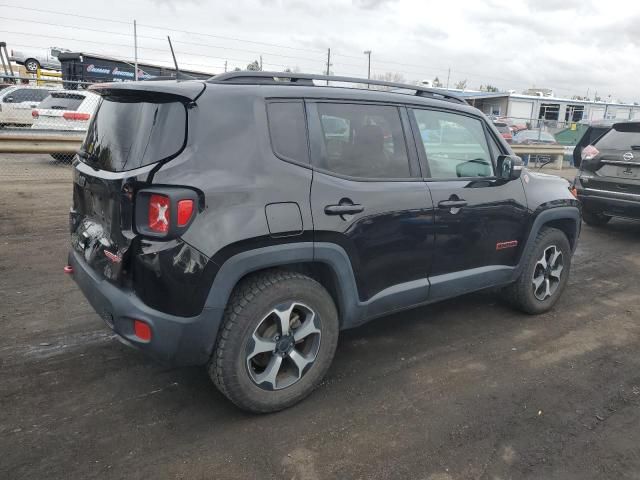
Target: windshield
127	133
62	101
621	137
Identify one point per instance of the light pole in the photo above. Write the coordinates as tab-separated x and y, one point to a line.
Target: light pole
368	54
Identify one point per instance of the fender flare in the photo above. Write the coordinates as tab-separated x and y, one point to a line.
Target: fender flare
242	264
543	218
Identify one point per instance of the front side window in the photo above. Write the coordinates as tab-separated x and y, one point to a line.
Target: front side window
455	145
365	141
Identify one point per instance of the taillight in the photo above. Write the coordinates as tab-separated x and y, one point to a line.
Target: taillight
159	213
185	210
76	116
589	152
35	114
165	212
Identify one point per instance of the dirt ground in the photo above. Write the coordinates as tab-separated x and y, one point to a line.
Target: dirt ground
462	389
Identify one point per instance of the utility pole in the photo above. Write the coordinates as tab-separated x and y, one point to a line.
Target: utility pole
225	66
135	50
448	75
260	62
328	63
368	54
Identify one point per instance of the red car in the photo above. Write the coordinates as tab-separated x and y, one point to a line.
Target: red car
504	130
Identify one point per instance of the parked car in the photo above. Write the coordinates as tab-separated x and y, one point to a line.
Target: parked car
591	134
608	182
513	125
65	110
35	59
17	102
213	225
534	137
504	130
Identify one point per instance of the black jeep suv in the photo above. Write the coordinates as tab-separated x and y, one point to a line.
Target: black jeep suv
608	182
243	221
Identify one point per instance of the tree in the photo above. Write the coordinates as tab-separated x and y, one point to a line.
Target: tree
461	85
237	69
254	66
436	82
387	77
488	88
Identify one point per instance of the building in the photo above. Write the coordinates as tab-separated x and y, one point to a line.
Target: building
533	107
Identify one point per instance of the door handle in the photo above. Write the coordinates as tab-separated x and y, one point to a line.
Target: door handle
343	209
452	204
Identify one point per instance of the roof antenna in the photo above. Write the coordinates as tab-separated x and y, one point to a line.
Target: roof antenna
175	62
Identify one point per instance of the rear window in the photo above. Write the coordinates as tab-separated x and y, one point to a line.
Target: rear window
62	101
621	137
127	133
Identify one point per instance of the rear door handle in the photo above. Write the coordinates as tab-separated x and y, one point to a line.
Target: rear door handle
344	209
452	204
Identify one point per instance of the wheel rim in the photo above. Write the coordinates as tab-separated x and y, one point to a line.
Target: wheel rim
32	66
547	273
284	346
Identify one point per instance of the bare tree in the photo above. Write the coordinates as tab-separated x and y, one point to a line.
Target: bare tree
387	77
436	82
461	85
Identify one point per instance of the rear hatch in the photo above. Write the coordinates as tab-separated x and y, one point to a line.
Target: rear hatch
616	167
132	131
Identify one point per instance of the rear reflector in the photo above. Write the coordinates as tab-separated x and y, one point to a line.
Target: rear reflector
159	213
35	114
76	116
142	330
68	269
185	209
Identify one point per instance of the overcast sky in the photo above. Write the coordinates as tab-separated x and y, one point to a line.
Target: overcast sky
566	45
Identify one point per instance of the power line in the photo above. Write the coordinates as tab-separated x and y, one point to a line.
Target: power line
68	14
157	38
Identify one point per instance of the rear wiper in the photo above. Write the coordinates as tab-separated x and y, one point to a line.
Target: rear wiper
635	147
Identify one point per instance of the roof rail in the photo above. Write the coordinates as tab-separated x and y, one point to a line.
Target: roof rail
306	79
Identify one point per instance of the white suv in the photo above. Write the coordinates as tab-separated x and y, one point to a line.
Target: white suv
65	110
17	103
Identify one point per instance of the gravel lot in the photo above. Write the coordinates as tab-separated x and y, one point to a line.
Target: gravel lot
462	389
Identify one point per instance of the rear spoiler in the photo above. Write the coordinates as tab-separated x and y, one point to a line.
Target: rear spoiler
189	90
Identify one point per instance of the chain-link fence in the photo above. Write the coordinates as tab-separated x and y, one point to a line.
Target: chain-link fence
532	132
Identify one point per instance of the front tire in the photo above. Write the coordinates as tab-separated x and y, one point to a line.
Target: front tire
544	274
595	219
277	341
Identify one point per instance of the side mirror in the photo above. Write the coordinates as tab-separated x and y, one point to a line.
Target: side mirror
509	167
8	100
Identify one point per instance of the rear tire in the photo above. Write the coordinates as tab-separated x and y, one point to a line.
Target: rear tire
277	341
544	275
595	219
32	65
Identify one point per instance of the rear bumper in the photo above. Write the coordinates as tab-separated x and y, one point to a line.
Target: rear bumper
178	341
610	203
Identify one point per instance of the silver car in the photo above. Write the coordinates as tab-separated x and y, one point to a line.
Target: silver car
35	59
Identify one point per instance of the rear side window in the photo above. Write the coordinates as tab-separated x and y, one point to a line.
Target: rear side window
365	141
62	101
288	131
621	137
25	95
128	133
